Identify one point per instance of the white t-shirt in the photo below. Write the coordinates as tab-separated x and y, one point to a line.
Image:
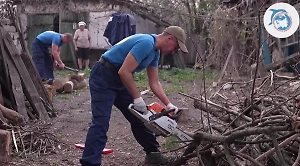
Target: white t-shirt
82	38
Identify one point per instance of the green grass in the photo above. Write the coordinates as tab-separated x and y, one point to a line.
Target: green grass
175	78
64	73
64	96
170	143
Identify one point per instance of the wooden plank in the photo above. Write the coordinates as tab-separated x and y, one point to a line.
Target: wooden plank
1	97
37	80
29	88
5	81
16	84
29	63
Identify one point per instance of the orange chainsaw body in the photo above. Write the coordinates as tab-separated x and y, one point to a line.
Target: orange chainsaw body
156	107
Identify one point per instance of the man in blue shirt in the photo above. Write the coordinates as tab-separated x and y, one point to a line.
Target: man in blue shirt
43	61
111	83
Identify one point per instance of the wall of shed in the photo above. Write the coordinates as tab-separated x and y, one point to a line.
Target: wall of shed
97	22
98	16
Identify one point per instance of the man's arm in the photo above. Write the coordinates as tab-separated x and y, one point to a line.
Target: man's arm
55	52
125	73
155	85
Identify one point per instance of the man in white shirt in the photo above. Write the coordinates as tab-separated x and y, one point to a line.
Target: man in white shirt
82	44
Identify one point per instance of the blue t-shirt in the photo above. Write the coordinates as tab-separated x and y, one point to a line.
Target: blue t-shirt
142	48
49	37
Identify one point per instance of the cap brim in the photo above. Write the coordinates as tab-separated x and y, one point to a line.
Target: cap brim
182	47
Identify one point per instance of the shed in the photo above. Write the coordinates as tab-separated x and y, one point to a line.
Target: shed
37	16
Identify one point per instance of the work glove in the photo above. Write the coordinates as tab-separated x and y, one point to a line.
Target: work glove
140	105
171	106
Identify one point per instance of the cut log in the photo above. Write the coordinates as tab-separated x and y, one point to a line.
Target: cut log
5	146
58	85
12	115
50	90
79	77
79	85
68	87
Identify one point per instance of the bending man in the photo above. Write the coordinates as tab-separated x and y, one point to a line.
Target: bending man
111	83
42	59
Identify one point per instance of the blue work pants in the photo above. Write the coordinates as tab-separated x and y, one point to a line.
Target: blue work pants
43	61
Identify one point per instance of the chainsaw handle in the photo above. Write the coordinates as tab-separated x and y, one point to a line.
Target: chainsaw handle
163	113
132	108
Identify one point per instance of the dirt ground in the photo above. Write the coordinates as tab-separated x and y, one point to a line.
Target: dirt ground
72	122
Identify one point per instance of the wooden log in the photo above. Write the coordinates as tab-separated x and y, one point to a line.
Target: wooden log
29	88
79	85
68	87
2	119
79	77
51	90
5	146
58	85
12	115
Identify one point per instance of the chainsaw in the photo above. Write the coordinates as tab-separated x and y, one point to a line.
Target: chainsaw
160	121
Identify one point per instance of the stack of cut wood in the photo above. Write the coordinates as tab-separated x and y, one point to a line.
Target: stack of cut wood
23	96
73	82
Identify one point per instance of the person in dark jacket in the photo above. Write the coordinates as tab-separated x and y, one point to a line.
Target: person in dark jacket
111	83
42	59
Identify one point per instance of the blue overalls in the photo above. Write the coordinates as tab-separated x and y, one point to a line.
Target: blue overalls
106	90
42	59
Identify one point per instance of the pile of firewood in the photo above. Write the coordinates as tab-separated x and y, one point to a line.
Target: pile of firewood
23	96
238	130
73	82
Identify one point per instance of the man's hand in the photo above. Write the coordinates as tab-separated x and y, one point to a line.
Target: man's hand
140	105
171	106
76	49
55	63
61	66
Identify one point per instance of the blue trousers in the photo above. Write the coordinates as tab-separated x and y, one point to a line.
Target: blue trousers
42	60
107	89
